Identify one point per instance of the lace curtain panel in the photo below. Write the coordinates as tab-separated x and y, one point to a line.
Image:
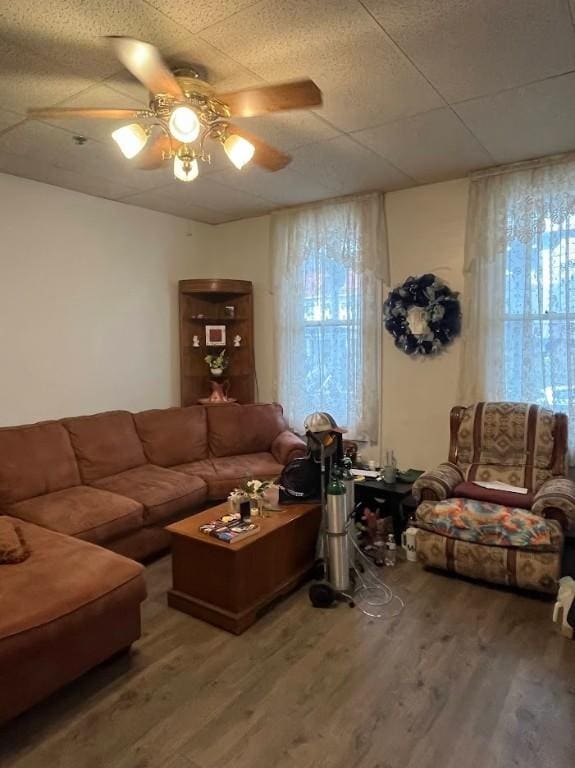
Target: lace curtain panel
329	262
519	295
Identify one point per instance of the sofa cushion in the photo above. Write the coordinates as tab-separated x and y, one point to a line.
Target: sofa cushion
105	444
239	429
224	474
61	575
88	513
510	442
490	524
469	490
173	435
163	492
35	459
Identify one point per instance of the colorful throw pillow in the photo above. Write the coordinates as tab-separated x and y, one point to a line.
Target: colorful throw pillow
484	523
13	548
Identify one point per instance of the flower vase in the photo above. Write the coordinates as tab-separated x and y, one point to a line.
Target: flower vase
216	371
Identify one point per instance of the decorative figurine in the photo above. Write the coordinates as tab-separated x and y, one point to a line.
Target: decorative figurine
237	340
195	341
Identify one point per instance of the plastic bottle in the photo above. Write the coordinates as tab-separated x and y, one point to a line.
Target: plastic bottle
390	550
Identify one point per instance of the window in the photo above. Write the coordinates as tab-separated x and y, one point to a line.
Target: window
332	339
328	263
540	317
519	293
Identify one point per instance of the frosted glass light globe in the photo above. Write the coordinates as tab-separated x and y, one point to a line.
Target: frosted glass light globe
184	124
185	170
239	150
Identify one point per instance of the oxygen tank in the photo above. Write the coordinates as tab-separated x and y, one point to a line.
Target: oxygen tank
336	534
347	479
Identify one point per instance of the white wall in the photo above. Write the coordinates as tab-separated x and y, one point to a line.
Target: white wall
426	228
88	305
88	302
426	231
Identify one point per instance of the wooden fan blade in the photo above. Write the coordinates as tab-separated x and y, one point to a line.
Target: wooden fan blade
265	155
272	98
145	62
89	113
155	154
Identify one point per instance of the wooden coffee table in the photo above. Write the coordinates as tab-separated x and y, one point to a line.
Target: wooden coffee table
230	585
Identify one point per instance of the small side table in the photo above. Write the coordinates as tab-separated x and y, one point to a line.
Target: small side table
395	495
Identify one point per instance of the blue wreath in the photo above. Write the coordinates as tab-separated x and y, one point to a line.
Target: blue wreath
442	310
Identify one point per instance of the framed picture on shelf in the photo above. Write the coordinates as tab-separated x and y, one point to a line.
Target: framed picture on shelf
215	335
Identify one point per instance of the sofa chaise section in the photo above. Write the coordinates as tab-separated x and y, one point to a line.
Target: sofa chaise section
68	607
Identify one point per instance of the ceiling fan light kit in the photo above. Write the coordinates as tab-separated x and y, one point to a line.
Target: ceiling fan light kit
239	150
185	168
131	139
189	112
184	124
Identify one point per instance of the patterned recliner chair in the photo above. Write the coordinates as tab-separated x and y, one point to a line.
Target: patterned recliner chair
518	444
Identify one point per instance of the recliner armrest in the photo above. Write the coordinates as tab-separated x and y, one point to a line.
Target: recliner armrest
287	446
437	484
556	500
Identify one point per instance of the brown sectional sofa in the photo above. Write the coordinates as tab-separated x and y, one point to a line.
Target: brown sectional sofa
115	480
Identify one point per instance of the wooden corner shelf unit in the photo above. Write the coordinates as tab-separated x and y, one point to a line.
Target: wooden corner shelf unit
206	302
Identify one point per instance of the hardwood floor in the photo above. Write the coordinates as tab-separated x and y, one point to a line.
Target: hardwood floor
467	676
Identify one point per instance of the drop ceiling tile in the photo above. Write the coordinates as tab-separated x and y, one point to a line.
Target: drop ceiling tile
201	13
345	167
532	121
27	80
206	193
365	79
157	201
285	187
31	168
8	119
428	147
471	48
72	32
288	130
304	33
45	143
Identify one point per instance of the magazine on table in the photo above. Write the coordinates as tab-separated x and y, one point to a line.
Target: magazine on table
230	528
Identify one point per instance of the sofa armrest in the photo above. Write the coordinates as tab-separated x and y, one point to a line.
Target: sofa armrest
556	500
438	484
287	446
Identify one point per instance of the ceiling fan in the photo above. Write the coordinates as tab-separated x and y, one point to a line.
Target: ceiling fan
188	112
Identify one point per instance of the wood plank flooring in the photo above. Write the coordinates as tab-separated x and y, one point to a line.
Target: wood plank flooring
467	676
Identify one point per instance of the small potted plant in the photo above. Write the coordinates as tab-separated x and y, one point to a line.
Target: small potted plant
217	363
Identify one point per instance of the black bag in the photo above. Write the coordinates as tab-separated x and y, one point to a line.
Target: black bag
300	481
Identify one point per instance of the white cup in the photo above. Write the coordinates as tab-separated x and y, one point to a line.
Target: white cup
408	538
371	465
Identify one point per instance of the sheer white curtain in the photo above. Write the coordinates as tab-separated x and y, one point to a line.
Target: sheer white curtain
519	295
329	262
